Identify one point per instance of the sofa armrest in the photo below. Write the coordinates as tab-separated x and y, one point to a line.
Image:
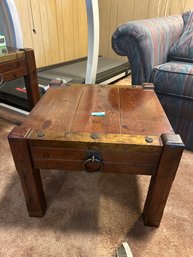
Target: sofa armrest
146	43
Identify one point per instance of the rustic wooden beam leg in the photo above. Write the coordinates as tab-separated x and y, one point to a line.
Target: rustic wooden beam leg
161	183
30	177
31	81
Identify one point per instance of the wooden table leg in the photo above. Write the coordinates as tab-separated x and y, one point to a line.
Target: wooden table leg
31	81
30	177
161	183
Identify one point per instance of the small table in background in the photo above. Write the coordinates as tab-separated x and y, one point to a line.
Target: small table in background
21	63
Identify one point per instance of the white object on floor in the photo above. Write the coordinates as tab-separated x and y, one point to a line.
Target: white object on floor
124	250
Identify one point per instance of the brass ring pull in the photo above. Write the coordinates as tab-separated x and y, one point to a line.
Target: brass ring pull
1	79
93	161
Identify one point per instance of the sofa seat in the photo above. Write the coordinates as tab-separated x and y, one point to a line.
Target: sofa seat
175	78
173	84
180	114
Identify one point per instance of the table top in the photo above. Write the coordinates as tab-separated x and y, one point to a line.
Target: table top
133	111
12	54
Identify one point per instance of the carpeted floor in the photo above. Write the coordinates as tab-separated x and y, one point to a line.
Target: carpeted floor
89	215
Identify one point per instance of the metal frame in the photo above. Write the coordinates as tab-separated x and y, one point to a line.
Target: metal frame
16	23
93	40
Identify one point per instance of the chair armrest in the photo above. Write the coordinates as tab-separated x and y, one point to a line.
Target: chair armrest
146	43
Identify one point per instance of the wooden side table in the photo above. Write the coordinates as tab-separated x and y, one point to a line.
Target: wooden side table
134	136
21	63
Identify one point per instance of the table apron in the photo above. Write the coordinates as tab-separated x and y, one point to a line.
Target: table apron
8	76
12	65
114	162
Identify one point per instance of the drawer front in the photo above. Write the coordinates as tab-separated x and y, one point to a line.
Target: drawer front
134	162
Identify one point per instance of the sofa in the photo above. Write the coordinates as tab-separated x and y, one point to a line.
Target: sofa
160	51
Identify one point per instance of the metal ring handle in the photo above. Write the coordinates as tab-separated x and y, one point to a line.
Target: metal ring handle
1	78
93	159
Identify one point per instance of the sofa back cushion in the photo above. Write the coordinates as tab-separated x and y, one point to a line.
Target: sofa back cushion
188	19
182	50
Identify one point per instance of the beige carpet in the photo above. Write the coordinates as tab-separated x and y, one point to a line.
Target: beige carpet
89	215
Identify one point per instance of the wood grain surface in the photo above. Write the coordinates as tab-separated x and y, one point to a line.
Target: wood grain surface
132	111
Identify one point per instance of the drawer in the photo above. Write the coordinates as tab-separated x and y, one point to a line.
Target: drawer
76	154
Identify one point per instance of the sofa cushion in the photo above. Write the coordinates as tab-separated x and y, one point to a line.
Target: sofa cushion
188	19
180	114
182	50
174	78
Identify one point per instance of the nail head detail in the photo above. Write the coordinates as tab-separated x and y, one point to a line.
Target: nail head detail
94	136
149	139
41	134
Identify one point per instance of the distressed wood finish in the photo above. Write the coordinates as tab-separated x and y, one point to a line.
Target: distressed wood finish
30	77
161	182
30	177
21	63
118	152
75	104
16	64
133	137
128	159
